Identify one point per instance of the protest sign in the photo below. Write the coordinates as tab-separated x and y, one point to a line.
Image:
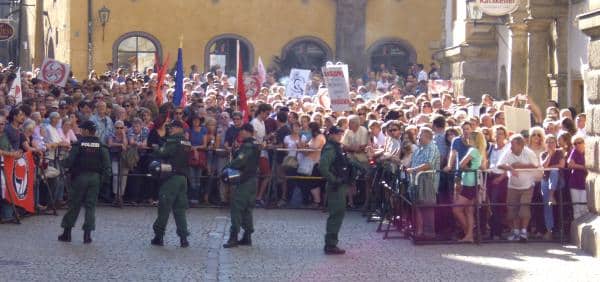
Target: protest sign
296	86
54	72
337	86
517	119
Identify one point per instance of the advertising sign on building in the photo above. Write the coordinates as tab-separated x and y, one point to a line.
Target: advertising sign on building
7	31
498	7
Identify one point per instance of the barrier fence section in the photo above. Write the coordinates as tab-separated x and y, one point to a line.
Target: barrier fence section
410	189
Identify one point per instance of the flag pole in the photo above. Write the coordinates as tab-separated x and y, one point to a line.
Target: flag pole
237	72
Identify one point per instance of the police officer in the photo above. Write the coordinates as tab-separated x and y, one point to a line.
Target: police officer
173	190
89	165
337	170
244	195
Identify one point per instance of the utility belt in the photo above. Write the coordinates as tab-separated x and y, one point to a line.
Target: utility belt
163	170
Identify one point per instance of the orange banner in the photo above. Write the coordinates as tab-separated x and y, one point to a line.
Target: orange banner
18	179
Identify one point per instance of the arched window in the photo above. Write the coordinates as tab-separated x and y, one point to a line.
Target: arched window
305	53
391	54
221	52
136	51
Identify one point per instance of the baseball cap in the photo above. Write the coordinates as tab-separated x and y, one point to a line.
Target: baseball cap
177	123
88	125
335	130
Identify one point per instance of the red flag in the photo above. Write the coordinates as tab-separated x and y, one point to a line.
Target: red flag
18	181
241	89
162	72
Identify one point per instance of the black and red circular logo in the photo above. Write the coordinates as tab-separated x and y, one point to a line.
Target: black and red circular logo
53	72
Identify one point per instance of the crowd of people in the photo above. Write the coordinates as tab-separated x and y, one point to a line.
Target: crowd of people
393	123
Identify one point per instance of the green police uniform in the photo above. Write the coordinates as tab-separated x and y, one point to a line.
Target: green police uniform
173	190
244	195
336	169
89	165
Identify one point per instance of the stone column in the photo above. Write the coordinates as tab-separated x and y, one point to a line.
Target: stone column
350	25
559	77
585	231
538	86
518	59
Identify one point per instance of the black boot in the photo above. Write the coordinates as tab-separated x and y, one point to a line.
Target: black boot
246	239
232	242
65	236
87	236
157	240
184	242
333	250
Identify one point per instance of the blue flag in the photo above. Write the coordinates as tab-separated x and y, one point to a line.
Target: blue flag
178	95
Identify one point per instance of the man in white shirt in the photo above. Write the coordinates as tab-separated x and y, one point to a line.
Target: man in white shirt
422	76
520	184
264	166
580	123
354	143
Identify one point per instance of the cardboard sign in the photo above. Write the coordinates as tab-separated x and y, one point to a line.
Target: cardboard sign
296	86
337	86
54	72
517	119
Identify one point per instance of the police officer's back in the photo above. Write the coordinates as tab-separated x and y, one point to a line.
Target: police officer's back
89	165
337	170
173	190
244	194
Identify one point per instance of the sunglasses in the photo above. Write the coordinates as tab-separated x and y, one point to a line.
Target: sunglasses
127	105
119	127
578	142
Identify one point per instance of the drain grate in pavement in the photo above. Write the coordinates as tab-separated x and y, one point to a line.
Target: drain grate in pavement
4	262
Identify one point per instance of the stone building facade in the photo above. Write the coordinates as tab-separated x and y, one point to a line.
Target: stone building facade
586	229
536	50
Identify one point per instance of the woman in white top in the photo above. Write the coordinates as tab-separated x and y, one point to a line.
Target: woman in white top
537	144
66	133
497	182
55	146
291	142
309	161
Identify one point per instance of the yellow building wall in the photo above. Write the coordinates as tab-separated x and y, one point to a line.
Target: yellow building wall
417	21
268	24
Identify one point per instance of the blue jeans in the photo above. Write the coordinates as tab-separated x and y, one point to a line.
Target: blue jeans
195	183
549	185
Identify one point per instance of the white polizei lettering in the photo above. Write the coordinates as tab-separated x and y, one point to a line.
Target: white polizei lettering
90	145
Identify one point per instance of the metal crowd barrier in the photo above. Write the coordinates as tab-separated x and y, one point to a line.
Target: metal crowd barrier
397	221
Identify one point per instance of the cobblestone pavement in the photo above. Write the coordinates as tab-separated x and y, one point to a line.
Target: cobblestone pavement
287	247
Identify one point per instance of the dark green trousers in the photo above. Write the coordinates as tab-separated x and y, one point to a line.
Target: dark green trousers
172	196
243	199
84	190
336	206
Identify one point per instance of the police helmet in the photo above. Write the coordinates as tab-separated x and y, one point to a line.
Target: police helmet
230	176
88	125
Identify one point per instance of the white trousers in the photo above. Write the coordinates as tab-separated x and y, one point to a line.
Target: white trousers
115	178
578	196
